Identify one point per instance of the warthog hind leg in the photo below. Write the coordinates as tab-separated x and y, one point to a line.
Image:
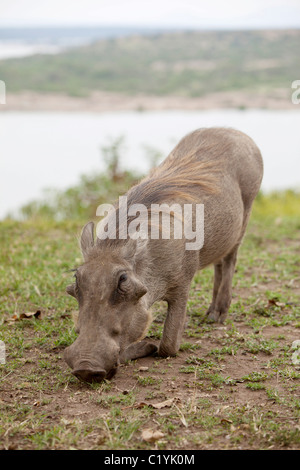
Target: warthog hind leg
222	291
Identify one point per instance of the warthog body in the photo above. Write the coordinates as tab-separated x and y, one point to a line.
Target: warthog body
121	278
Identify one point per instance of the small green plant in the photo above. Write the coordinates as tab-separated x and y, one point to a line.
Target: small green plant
255	377
188	369
255	386
145	381
189	346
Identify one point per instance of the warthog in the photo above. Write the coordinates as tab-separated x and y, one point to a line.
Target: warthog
122	277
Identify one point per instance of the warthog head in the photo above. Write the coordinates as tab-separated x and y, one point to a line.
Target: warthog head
112	308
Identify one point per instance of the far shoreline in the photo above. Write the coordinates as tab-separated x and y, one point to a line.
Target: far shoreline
102	101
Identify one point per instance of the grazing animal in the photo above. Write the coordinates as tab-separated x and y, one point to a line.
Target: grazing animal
219	169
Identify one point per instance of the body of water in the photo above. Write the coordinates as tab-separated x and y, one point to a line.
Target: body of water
51	150
15	49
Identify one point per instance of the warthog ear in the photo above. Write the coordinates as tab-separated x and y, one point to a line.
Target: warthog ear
87	239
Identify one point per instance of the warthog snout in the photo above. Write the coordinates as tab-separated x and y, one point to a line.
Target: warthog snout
90	375
88	369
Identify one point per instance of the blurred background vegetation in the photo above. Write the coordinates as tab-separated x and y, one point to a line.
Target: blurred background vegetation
187	63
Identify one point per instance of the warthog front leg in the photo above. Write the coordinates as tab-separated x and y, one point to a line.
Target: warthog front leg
222	291
174	325
136	350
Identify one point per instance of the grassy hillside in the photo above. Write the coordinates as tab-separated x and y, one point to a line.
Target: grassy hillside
183	64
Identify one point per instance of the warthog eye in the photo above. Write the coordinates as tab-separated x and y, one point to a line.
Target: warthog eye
129	288
123	278
122	284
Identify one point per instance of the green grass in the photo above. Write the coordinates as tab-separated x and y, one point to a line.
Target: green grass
232	386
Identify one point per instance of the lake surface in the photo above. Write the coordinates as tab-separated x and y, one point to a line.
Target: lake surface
20	49
51	150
